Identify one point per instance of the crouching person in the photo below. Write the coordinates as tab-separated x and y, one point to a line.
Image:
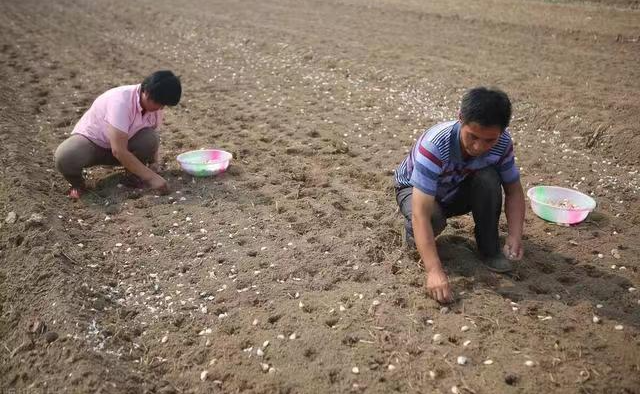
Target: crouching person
458	167
120	128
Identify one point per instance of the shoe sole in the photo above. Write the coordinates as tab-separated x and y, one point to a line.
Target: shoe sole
498	270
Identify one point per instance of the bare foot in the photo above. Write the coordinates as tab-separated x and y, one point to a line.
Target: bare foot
75	193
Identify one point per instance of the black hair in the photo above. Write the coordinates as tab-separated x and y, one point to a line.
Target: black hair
487	107
163	87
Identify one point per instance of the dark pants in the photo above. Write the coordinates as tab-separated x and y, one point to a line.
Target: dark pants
480	194
78	152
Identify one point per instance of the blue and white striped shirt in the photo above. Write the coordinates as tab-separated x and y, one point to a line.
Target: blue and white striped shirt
436	165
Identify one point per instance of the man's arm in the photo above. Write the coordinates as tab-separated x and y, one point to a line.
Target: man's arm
119	147
514	208
422	206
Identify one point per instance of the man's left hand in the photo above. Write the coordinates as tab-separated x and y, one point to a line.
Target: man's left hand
513	248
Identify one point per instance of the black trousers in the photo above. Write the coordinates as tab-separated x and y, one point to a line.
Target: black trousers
480	194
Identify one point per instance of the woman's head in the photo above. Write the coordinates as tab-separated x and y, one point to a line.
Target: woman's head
160	89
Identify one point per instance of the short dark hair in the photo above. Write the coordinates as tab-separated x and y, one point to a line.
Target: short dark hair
163	87
487	107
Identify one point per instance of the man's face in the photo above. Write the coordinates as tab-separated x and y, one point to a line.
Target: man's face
148	104
477	140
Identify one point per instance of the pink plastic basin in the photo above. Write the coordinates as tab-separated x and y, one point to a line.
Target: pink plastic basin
204	162
559	204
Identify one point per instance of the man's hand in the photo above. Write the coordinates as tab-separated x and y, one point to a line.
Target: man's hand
513	248
514	209
159	183
422	207
438	286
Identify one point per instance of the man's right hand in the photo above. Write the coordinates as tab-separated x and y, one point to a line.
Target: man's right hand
159	183
438	286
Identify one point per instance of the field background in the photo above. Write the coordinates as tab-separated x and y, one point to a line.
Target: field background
299	243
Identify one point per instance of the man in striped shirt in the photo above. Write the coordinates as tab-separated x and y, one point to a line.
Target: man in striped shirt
458	167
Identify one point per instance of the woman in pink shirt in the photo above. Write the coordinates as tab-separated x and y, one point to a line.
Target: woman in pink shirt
120	129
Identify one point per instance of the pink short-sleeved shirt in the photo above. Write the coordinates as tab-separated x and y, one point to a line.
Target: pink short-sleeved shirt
120	108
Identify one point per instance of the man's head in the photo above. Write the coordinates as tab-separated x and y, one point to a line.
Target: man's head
160	89
484	115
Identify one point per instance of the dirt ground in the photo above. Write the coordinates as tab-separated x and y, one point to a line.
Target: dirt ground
287	272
